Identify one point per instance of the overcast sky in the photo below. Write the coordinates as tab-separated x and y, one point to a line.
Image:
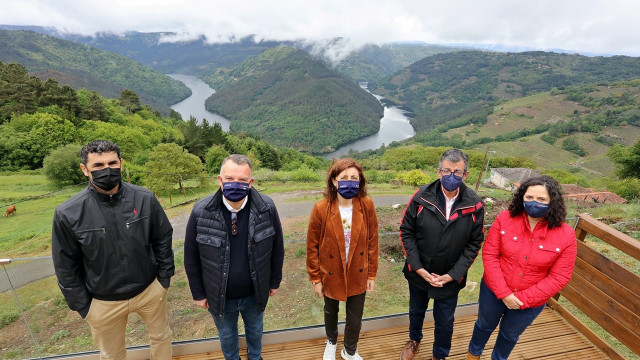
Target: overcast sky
608	27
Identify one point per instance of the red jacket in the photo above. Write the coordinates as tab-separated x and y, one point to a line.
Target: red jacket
533	266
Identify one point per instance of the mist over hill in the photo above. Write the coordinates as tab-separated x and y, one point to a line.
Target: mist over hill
83	66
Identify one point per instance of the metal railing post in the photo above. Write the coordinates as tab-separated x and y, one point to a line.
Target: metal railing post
4	262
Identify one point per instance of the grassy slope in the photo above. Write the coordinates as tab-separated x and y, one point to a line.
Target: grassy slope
543	108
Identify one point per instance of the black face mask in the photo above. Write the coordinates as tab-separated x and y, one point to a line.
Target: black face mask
107	178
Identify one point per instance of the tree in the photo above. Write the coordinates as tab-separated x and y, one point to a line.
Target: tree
94	109
170	164
62	166
130	100
214	157
627	160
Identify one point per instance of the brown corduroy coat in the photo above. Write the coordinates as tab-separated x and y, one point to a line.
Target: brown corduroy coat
326	249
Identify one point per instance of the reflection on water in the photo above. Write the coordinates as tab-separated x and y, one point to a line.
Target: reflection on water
194	104
394	126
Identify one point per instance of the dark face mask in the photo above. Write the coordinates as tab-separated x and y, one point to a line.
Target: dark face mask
348	189
451	182
235	190
107	178
535	209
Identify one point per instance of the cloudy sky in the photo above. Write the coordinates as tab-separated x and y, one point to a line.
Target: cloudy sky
608	27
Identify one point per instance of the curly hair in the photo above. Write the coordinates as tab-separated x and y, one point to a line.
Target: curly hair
338	166
557	212
98	147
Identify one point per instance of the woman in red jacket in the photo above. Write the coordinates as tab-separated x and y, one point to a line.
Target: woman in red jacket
342	253
528	257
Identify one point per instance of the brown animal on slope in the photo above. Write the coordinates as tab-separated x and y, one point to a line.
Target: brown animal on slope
10	210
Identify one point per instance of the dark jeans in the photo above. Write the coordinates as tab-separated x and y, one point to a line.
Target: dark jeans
443	315
354	309
228	327
492	311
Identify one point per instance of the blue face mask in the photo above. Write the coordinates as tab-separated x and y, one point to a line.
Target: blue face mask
235	190
348	189
451	182
535	209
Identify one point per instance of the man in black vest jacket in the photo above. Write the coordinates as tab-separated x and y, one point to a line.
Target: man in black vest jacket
442	231
233	256
111	247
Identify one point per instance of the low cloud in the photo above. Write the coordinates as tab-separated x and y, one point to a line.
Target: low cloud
586	26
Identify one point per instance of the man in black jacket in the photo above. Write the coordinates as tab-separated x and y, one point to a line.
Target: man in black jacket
442	231
111	247
233	256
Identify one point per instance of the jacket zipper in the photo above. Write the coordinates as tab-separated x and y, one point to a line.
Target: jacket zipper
104	230
135	221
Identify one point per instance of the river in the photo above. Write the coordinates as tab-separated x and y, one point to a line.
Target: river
394	125
194	104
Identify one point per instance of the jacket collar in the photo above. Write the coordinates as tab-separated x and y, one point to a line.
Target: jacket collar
357	227
107	198
433	194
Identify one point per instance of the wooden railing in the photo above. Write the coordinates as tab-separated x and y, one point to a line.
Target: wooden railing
603	290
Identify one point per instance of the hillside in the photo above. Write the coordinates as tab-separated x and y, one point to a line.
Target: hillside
82	66
446	87
291	99
373	62
571	129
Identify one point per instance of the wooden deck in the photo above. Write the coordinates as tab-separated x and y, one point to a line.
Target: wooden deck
549	337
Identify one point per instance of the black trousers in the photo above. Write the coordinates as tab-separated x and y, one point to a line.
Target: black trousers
354	308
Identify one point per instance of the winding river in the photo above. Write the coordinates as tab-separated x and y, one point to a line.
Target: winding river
394	125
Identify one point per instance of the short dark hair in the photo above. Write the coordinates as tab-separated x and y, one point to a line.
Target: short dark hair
99	147
338	166
454	155
238	160
557	212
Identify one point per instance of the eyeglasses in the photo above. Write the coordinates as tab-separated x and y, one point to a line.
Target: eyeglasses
234	220
446	172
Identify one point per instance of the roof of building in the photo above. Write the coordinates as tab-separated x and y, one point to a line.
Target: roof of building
516	174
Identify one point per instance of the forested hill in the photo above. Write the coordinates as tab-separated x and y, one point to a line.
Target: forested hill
467	84
373	62
291	99
82	66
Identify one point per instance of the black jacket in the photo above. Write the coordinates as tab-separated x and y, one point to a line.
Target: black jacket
438	245
110	247
207	255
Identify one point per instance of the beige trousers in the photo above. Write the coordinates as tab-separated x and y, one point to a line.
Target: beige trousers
108	321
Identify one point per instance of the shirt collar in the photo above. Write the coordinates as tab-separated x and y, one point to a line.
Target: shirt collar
445	194
230	208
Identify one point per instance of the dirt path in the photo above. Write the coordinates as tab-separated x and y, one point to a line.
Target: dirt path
25	272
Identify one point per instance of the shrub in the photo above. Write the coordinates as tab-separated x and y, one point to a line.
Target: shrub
62	166
304	173
628	188
415	178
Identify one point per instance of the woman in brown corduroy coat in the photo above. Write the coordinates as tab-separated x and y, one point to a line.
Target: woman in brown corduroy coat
342	252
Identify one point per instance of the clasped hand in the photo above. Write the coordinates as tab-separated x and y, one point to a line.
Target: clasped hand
434	279
512	302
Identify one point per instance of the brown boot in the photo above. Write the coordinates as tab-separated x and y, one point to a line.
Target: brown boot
472	357
410	350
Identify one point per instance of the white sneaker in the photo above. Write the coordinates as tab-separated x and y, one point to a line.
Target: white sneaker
330	351
346	356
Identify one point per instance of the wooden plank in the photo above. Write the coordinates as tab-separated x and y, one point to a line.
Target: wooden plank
608	322
549	337
619	240
610	268
622	295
